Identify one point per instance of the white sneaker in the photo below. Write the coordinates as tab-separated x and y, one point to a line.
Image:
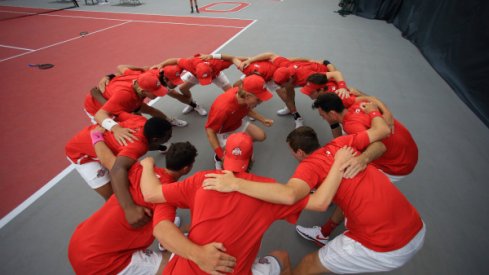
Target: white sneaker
218	163
283	112
177	122
187	109
312	234
177	223
299	122
200	110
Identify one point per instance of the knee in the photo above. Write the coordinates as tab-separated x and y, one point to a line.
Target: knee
260	136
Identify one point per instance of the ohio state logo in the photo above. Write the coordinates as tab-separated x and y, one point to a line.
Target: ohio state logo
236	151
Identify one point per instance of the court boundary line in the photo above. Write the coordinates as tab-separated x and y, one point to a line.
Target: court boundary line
45	188
62	42
16	48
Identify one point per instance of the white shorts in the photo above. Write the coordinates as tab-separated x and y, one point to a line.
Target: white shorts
272	86
393	178
220	81
267	265
94	174
344	255
143	262
223	137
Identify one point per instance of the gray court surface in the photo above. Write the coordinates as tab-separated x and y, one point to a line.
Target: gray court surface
449	186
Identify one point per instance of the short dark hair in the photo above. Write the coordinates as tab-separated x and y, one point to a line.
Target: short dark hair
304	138
329	102
158	128
179	155
161	78
318	78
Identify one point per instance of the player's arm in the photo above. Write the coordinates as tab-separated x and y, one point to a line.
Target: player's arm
122	68
122	135
379	128
152	111
136	215
386	112
374	151
169	61
210	257
214	142
322	198
259	57
96	93
103	152
151	187
265	121
288	194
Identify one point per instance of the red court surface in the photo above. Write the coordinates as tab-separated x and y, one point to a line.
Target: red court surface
42	109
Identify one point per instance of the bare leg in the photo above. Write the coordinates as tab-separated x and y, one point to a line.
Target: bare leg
283	258
290	100
310	264
256	132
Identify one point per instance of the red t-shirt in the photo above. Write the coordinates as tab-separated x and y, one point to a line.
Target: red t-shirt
281	61
217	65
120	96
401	156
226	114
303	69
104	243
264	69
80	149
236	220
377	213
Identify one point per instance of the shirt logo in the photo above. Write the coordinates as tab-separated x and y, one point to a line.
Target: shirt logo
357	110
204	75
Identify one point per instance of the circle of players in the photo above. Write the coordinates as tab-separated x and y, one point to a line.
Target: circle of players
230	208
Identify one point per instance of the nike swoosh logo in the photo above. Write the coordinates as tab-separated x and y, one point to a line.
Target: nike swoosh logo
321	238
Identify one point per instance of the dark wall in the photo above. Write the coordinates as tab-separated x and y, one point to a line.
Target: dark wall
453	36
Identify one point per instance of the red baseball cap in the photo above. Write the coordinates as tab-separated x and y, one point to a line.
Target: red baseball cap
148	81
173	72
309	88
282	75
204	73
255	84
238	152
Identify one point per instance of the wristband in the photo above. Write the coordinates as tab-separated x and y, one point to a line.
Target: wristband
96	137
219	152
334	126
110	76
108	123
341	84
216	55
374	114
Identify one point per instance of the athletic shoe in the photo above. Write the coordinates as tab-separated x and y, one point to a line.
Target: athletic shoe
218	163
299	122
163	148
251	118
177	122
177	222
312	234
284	111
200	110
187	109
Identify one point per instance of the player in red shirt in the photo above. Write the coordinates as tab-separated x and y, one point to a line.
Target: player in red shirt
200	69
228	111
287	74
126	93
79	150
106	244
236	225
383	229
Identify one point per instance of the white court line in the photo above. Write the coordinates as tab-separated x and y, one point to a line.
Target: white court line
14	213
17	48
65	41
10	216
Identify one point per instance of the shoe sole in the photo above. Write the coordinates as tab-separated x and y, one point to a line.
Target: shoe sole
309	238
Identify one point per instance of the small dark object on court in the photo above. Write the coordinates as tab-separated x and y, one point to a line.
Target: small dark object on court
44	66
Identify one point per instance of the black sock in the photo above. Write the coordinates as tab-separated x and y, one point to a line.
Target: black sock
193	104
296	115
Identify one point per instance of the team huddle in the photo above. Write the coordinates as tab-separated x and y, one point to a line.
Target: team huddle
354	172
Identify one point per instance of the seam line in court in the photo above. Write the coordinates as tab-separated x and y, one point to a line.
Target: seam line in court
17	48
